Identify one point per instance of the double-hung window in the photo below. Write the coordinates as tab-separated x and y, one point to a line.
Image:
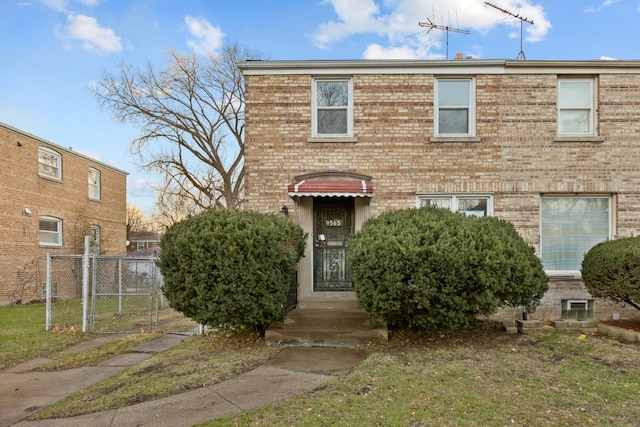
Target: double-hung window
50	231
455	107
49	163
570	226
469	204
332	105
576	107
94	184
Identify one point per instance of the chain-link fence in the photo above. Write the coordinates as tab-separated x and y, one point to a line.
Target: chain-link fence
125	294
63	292
104	294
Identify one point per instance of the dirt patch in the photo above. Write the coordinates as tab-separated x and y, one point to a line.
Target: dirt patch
482	336
629	324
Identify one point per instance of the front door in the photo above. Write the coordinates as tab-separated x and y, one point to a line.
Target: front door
333	225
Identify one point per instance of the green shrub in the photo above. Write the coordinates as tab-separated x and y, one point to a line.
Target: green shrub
611	270
231	267
430	268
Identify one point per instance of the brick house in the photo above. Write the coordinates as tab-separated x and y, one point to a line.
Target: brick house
50	198
551	146
143	242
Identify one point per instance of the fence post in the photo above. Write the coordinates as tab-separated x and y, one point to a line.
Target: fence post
119	286
47	322
85	283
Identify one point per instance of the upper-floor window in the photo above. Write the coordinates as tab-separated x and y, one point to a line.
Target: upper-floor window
332	105
49	163
576	107
94	184
50	231
455	107
470	204
570	226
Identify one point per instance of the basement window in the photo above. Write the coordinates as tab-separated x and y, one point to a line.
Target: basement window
573	309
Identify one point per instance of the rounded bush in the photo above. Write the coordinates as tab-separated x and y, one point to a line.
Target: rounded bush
231	267
430	268
611	270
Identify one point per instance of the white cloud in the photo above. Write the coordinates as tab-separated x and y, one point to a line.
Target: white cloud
140	187
604	4
62	5
59	5
607	58
355	16
206	38
90	34
375	51
397	21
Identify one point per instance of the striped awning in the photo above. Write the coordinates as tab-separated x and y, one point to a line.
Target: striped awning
331	188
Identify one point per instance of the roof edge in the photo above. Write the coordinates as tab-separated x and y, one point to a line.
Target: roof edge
60	147
413	66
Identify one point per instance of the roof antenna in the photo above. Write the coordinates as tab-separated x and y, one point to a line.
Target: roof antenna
430	25
515	15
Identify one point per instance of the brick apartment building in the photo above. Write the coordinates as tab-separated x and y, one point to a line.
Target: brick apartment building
50	198
551	146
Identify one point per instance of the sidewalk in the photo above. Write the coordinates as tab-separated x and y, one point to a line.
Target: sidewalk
293	371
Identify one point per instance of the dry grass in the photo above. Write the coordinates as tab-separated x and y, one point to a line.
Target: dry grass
476	378
197	362
479	377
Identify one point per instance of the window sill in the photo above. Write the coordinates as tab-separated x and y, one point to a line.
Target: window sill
576	138
50	178
341	139
473	139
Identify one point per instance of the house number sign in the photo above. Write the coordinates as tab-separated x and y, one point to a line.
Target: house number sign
334	223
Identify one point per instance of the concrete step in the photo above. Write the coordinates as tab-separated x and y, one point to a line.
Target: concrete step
326	328
329	319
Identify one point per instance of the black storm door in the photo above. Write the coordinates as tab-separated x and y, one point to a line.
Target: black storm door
333	225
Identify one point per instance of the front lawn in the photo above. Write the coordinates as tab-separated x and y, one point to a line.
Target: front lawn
477	378
22	335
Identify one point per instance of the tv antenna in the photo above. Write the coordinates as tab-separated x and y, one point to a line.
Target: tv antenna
515	15
431	26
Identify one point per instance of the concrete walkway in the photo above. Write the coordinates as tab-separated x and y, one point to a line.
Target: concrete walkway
293	371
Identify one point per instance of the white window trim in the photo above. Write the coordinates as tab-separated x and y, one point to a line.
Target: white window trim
472	108
577	274
58	165
96	186
454	197
592	131
58	233
314	108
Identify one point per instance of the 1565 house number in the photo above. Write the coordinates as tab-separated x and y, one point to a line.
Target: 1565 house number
334	223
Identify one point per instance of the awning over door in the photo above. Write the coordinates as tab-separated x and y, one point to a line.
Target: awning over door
331	188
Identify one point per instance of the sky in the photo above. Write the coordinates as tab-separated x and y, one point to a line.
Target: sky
54	51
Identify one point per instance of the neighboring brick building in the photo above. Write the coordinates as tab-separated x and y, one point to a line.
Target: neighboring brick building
50	198
143	242
552	146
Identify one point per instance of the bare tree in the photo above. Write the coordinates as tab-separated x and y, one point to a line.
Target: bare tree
173	209
135	219
191	116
